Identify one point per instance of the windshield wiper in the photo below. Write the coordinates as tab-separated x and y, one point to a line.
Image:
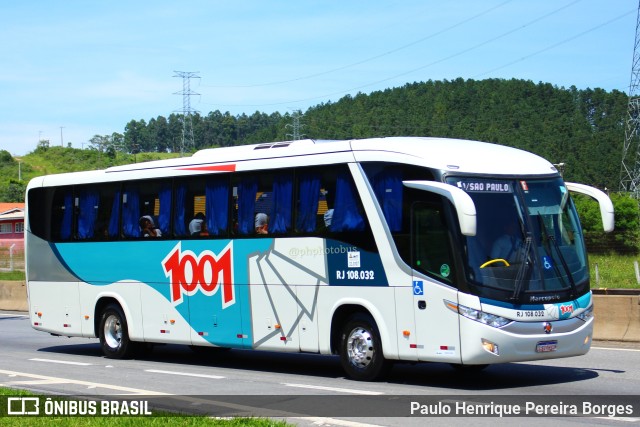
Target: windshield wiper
522	269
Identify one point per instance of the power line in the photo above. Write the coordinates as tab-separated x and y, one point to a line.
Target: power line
296	126
454	55
188	140
630	167
372	58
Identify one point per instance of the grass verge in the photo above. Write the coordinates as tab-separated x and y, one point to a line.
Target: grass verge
158	419
614	271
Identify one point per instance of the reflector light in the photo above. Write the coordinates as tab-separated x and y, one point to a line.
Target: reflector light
413	345
406	333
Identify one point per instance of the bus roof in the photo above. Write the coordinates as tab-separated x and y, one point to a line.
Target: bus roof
448	155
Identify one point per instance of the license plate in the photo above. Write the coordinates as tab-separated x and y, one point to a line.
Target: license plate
546	346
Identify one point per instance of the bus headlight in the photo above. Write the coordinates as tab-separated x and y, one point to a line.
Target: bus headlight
586	314
478	315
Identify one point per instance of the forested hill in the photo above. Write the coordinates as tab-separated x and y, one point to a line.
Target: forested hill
582	128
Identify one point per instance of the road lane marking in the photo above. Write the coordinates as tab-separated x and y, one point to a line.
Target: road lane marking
340	390
184	374
615	349
39	382
335	421
192	400
624	419
61	362
91	384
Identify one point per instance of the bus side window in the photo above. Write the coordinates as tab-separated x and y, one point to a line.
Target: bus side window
182	200
201	207
341	216
309	194
347	212
151	199
217	205
87	202
269	197
130	212
41	210
62	214
282	195
246	190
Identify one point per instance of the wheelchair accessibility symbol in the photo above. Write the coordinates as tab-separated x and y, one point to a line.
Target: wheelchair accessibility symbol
547	263
418	287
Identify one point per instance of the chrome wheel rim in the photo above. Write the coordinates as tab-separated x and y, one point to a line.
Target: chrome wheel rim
360	347
113	332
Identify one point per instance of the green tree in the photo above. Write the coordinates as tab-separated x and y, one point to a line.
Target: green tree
624	238
13	191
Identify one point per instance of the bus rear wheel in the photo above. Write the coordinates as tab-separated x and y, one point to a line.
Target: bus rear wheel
114	333
361	349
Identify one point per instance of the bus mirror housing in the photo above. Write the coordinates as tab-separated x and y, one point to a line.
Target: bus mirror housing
606	206
461	201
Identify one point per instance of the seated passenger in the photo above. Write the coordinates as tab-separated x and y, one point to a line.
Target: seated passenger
262	223
328	216
197	224
148	227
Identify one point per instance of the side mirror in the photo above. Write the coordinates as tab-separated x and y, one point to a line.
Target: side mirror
606	206
462	202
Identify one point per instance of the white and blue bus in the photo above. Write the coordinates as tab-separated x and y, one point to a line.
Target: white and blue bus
377	250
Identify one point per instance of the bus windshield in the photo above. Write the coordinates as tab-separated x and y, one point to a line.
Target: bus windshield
528	246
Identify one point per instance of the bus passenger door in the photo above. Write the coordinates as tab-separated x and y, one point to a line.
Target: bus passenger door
437	327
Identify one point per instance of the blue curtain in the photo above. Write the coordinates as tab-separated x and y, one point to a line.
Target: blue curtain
346	215
309	197
67	217
87	213
164	214
217	205
179	222
247	190
131	214
388	188
280	221
115	216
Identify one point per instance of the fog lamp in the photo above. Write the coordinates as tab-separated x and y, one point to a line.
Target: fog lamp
491	347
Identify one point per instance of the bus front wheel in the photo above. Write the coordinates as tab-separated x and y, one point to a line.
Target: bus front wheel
361	349
113	333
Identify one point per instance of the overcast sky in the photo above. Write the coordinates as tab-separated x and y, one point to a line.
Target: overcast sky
74	69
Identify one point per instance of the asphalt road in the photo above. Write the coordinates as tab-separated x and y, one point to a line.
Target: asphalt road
243	380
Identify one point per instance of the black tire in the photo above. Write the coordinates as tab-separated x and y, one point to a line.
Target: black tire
114	333
361	349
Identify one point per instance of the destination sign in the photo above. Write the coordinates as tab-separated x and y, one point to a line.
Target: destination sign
485	186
